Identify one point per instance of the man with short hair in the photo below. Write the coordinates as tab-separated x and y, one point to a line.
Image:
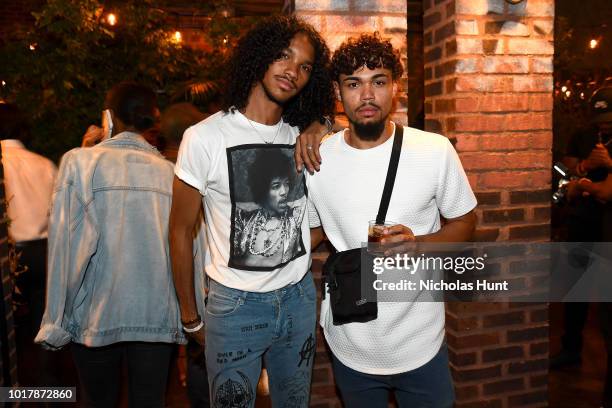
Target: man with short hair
403	349
261	300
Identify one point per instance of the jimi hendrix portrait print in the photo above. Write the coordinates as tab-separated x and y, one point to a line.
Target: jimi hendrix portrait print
268	206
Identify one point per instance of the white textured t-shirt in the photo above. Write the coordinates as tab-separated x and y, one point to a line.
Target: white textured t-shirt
345	195
255	203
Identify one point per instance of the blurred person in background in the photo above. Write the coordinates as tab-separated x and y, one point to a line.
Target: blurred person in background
175	119
110	293
588	155
592	196
28	179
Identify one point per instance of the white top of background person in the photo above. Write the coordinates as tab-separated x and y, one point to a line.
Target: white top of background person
28	179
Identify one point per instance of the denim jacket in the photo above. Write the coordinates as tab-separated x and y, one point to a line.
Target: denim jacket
109	274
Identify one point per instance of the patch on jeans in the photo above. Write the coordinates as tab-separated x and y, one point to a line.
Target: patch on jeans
234	392
233	356
307	352
296	388
289	340
254	327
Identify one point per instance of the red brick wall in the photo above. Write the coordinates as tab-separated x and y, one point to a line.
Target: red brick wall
415	64
488	85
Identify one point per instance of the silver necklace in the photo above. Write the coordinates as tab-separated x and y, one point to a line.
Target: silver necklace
280	123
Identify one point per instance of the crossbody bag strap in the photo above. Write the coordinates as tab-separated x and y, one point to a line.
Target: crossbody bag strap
391	172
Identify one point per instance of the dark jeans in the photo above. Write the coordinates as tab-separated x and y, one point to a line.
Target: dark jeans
99	370
36	366
575	317
429	386
605	316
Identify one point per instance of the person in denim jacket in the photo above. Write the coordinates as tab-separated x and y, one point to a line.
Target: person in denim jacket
110	291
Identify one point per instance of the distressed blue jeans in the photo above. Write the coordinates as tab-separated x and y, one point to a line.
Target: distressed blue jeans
243	329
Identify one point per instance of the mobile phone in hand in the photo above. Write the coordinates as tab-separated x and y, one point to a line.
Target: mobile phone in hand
107	124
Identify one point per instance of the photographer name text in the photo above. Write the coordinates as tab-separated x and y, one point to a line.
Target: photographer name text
441	285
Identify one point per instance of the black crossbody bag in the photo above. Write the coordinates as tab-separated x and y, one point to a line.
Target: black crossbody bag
343	270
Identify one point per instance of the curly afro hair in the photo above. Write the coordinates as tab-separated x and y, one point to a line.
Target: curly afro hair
268	164
369	50
258	49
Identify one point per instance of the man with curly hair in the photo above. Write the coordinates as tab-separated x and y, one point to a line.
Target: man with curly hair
402	350
261	299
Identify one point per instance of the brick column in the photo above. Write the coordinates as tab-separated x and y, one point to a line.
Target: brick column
488	85
337	20
414	68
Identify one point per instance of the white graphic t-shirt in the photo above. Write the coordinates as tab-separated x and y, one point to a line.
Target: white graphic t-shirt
345	195
254	200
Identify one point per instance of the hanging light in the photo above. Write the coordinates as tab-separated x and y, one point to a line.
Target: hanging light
568	93
33	46
111	19
225	39
178	37
3	83
563	88
226	10
593	43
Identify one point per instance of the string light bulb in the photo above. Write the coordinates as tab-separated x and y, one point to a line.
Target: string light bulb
33	46
111	19
3	83
593	43
568	93
563	88
178	37
225	40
